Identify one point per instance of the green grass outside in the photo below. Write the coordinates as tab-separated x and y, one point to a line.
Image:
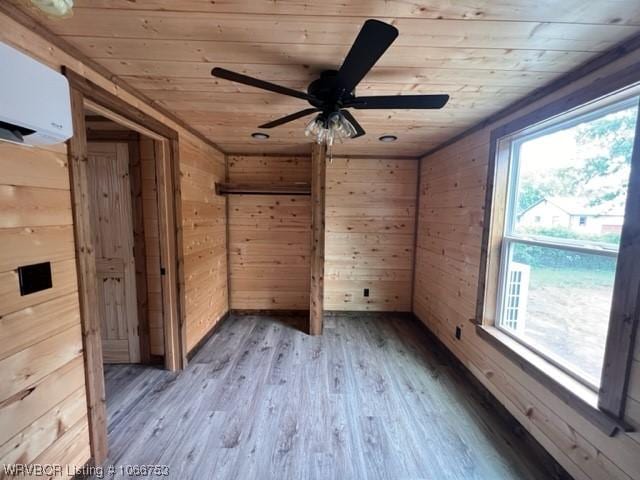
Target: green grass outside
571	277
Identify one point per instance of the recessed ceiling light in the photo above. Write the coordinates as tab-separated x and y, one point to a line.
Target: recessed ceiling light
388	138
260	136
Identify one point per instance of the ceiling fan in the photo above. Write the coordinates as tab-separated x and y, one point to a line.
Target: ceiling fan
334	92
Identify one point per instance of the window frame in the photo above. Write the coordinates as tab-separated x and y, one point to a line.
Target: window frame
510	237
605	408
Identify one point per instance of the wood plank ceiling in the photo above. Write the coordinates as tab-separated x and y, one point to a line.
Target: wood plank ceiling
484	53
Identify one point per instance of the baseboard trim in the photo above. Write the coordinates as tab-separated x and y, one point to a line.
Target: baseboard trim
554	469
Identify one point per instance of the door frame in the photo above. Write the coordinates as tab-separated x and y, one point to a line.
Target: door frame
85	93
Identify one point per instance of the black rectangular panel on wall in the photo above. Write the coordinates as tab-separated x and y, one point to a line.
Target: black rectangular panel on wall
34	278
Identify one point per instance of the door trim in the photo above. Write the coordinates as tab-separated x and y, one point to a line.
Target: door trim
85	93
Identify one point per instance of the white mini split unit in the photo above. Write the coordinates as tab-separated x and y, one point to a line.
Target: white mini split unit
35	107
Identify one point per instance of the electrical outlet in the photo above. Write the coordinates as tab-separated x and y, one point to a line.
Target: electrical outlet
366	292
458	333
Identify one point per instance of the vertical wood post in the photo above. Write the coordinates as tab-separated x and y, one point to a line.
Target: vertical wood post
318	180
87	280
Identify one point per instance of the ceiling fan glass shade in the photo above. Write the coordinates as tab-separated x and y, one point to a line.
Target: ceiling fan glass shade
327	129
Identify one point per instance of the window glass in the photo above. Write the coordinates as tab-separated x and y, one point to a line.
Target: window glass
558	301
576	177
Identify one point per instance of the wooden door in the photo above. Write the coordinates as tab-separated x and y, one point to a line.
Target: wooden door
115	264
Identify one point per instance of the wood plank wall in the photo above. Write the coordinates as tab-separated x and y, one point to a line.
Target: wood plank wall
204	238
43	407
269	236
452	187
49	424
370	209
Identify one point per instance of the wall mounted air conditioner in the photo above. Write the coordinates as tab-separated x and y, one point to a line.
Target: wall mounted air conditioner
35	107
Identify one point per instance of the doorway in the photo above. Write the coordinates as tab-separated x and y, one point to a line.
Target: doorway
123	190
110	227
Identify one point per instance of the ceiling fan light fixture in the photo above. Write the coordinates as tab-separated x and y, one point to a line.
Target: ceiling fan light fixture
388	138
326	129
260	136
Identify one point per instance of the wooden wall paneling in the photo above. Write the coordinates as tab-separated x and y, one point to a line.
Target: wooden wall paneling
269	235
204	240
45	430
21	410
371	207
447	263
318	192
87	280
40	333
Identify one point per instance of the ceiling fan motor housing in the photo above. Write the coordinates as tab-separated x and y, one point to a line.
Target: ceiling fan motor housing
326	94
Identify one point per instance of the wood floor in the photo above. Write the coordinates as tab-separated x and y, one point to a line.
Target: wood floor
367	400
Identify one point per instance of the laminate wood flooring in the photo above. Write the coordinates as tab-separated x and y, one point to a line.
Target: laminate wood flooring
369	399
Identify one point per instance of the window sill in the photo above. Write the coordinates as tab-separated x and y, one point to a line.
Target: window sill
572	392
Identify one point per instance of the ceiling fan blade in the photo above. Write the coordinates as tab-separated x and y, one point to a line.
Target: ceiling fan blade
254	82
289	118
351	119
372	41
400	102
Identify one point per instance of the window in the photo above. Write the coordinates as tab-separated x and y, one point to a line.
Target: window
556	283
552	284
